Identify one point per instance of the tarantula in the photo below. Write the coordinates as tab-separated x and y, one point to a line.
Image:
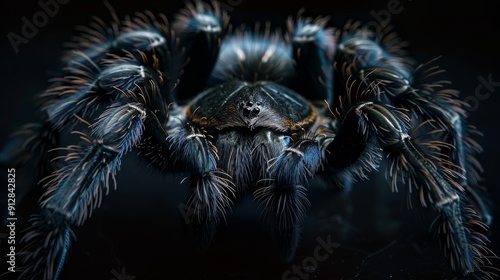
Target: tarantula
249	113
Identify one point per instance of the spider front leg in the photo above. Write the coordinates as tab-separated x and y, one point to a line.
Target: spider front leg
76	189
437	187
103	64
185	148
284	199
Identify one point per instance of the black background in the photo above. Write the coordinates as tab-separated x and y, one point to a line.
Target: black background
139	227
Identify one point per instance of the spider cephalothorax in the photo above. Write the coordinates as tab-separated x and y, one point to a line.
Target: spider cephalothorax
249	113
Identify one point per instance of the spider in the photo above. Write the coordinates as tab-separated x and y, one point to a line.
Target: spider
250	112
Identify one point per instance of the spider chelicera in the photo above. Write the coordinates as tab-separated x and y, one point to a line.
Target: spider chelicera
254	113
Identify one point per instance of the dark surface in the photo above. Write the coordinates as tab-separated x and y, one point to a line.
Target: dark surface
138	230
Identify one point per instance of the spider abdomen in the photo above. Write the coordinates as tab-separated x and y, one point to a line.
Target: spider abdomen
251	105
246	58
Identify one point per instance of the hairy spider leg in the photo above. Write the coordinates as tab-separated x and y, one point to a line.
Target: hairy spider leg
314	49
235	157
185	148
283	198
313	53
72	100
85	92
89	82
75	189
199	29
144	36
380	64
138	49
267	145
458	225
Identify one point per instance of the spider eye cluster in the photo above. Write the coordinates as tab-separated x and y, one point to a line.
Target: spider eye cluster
250	108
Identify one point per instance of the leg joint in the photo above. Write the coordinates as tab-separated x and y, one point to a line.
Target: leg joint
452	199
